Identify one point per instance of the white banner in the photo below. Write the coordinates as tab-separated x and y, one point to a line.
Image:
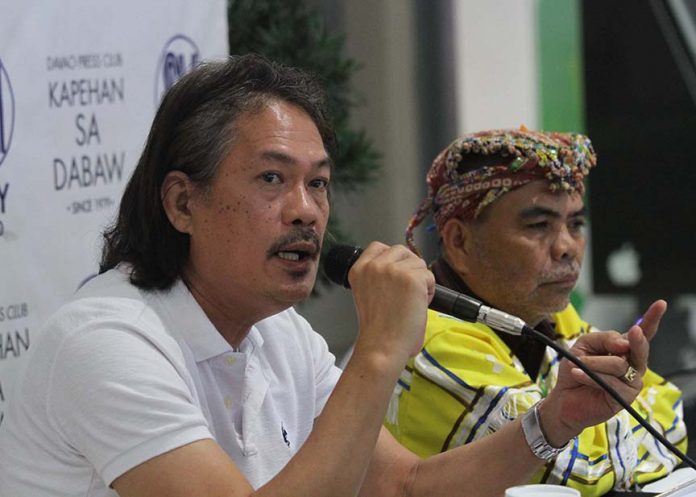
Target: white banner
80	81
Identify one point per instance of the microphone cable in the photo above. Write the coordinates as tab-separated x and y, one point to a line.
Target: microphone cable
613	393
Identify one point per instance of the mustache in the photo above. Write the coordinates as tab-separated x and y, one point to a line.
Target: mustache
298	235
572	269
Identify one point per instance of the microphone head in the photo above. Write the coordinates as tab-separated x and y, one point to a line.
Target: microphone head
338	262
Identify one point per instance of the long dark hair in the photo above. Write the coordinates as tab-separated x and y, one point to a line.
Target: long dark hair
192	132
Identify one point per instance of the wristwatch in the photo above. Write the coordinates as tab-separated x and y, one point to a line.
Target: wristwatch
535	437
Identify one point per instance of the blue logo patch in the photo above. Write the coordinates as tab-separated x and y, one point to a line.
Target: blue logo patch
179	56
7	112
285	435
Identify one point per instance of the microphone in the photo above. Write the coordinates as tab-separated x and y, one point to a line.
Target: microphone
341	258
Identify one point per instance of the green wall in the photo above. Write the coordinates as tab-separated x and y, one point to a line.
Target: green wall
560	56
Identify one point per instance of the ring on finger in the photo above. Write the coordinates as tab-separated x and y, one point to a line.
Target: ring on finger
629	375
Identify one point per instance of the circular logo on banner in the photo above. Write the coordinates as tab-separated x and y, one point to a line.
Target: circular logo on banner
7	113
179	56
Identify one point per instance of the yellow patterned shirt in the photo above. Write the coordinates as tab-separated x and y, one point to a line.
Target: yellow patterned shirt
466	383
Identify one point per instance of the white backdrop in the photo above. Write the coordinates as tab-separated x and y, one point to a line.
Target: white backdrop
80	81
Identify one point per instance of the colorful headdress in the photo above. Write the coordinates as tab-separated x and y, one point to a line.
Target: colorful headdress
563	159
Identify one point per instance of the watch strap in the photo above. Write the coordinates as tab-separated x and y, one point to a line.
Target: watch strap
535	436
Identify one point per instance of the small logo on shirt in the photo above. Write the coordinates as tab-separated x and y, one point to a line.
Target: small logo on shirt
285	435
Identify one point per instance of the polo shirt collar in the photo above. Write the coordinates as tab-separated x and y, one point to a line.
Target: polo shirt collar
187	321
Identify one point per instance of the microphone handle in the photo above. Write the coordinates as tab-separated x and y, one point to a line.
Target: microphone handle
455	304
469	309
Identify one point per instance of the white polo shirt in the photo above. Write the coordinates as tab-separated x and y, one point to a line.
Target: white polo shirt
119	376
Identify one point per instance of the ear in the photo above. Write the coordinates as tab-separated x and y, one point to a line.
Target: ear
176	194
457	244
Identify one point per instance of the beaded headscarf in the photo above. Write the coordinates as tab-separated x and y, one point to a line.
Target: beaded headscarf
563	159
